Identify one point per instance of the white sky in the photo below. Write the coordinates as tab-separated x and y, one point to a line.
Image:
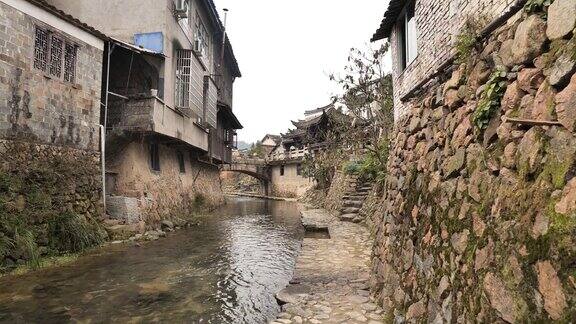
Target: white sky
286	51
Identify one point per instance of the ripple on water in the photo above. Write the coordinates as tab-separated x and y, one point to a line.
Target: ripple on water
225	270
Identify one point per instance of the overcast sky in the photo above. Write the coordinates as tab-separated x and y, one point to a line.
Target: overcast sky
286	51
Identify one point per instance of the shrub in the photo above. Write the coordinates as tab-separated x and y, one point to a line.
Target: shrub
69	232
352	167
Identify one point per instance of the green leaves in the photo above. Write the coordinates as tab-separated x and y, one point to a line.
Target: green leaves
490	99
533	6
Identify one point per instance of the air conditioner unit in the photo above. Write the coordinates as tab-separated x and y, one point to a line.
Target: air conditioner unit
181	8
198	47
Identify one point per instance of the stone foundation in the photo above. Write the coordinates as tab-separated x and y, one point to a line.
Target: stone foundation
478	221
158	195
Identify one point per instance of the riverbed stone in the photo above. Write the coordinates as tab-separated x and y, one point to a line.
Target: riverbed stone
561	18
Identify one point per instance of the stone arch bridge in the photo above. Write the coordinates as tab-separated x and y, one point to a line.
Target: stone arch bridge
257	168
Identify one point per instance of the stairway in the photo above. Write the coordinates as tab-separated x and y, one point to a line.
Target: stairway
354	200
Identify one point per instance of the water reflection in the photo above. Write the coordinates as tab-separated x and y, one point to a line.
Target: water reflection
224	271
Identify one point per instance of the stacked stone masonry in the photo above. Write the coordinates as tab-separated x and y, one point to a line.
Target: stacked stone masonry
39	107
49	128
479	225
438	23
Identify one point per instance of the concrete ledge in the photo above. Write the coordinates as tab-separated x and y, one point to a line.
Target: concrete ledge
241	194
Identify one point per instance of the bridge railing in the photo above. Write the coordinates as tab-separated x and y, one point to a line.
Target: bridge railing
288	155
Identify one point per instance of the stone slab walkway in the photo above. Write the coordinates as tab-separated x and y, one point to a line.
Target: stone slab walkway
331	279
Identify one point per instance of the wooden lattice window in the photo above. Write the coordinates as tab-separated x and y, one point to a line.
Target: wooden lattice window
41	49
56	52
70	63
55	56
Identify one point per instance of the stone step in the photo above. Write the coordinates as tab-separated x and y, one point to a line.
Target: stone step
350	210
348	217
355	197
353	204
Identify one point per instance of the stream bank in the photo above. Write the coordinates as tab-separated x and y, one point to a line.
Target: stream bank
331	278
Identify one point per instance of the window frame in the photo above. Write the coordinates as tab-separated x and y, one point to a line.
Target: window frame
405	59
46	66
201	33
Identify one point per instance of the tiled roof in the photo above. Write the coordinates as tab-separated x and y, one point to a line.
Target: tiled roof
68	18
390	17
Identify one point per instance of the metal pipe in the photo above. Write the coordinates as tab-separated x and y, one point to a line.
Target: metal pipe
103	162
223	42
129	72
104	127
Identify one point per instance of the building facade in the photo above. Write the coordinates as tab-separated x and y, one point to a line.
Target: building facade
168	116
50	136
423	34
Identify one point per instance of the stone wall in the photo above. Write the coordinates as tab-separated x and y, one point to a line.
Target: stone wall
164	194
478	222
42	108
438	22
341	184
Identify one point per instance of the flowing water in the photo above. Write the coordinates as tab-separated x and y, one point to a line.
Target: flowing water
225	270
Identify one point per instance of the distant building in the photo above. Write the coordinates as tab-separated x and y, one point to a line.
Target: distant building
50	85
287	159
269	142
422	36
168	112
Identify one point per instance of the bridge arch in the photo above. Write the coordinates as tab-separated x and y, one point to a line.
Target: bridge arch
256	169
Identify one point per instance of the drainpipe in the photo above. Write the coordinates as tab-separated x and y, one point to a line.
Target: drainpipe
105	126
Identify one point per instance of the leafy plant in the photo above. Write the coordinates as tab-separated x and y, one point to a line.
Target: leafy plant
352	167
533	6
490	99
69	232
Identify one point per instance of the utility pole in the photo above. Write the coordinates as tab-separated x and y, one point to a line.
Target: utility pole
223	41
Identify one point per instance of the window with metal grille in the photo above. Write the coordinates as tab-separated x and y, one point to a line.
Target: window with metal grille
183	78
55	56
41	49
70	63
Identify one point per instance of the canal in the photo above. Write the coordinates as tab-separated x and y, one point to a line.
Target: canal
226	270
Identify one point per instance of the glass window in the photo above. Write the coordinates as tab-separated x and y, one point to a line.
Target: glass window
407	36
282	170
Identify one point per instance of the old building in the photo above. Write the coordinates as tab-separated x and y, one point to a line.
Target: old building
287	159
269	142
168	116
422	36
50	135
